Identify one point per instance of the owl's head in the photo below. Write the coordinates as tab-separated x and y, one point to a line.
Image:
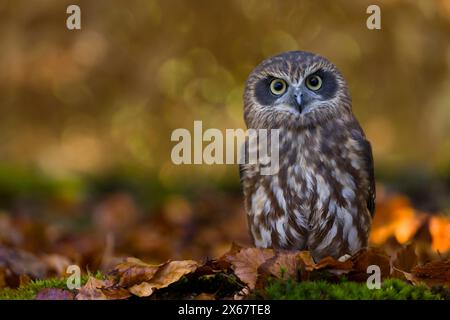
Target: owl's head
293	90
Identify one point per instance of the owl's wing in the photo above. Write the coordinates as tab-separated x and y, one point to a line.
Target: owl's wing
358	134
242	172
369	165
242	165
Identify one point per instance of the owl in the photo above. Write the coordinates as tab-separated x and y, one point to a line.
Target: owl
322	197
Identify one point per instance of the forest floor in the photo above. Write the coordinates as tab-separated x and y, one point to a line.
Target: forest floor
196	246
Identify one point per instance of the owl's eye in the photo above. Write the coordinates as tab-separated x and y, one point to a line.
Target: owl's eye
278	87
314	82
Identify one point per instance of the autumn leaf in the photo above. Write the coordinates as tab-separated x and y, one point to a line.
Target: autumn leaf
96	289
21	262
369	257
3	282
212	266
246	262
166	274
115	293
333	265
306	261
92	290
133	271
234	249
284	265
56	264
404	260
54	294
24	279
205	296
432	274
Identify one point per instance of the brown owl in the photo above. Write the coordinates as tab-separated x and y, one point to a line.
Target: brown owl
322	197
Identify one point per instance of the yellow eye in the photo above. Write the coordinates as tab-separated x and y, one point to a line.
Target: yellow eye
314	82
278	86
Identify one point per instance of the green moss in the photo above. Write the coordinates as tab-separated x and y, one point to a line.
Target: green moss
30	290
319	290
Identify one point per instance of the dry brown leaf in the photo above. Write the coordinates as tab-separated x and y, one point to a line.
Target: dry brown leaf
246	262
21	262
3	282
167	274
306	261
54	294
328	264
367	257
404	260
284	265
332	264
440	233
115	293
56	264
213	266
92	290
24	279
143	289
205	296
235	249
433	274
134	271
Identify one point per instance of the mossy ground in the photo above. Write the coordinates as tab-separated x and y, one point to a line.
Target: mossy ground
31	289
392	289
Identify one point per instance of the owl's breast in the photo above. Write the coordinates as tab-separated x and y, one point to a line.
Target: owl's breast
316	198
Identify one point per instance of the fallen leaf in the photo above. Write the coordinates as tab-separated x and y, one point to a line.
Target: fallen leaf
115	293
205	296
54	294
306	261
433	273
284	265
96	289
56	263
369	257
404	260
440	233
234	249
213	266
3	282
334	266
92	290
246	262
134	271
166	274
143	289
115	213
24	279
21	262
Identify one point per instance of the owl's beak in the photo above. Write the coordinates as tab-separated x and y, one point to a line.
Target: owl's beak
298	100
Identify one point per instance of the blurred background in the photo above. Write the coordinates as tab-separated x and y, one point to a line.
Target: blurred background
86	118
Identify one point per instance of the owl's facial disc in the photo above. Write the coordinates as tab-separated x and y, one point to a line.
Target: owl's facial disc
307	89
297	95
299	98
315	90
304	99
